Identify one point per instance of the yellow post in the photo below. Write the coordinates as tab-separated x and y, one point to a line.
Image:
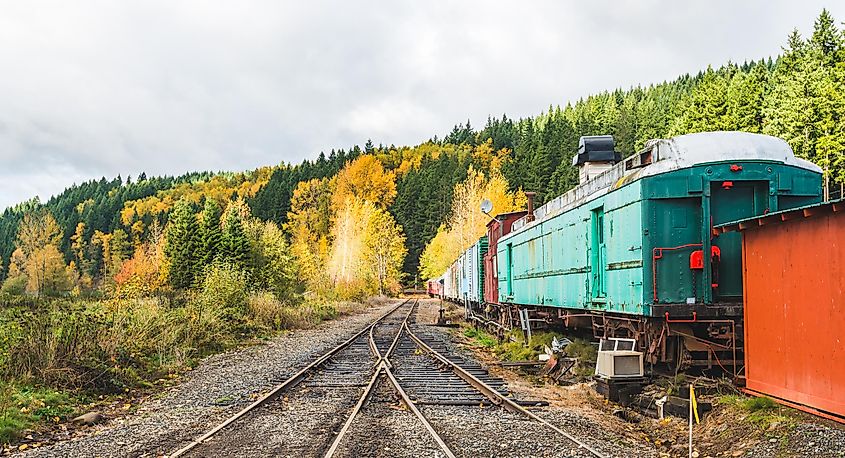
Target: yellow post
693	412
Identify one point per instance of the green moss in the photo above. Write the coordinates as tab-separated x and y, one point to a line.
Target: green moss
480	337
24	407
757	404
762	412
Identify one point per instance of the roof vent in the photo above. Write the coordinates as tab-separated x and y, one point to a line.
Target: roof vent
596	148
596	154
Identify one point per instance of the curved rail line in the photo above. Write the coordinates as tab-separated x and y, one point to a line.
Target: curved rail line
494	396
284	386
384	367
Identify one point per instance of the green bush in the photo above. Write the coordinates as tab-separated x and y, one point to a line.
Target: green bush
14	286
224	290
268	313
53	346
107	346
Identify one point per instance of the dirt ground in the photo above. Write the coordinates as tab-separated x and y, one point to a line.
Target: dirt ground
729	430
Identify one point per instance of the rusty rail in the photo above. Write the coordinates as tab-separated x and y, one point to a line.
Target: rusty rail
284	386
494	396
384	367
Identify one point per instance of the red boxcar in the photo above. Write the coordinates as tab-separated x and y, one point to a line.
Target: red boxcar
434	288
794	288
496	228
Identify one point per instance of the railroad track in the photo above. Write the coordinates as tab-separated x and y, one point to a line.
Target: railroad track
338	372
391	359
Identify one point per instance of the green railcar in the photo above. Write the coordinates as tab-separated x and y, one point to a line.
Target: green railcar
631	252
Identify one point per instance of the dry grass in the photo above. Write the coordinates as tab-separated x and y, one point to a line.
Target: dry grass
109	346
267	312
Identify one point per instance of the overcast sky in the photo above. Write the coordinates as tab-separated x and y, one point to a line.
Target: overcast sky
107	88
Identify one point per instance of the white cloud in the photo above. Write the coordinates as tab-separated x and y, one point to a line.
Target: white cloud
105	88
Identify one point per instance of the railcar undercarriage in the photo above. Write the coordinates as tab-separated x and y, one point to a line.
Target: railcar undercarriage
670	343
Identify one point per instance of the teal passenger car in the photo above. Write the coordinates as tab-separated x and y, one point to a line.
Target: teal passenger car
631	251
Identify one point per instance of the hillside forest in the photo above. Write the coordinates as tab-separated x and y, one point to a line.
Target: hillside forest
114	283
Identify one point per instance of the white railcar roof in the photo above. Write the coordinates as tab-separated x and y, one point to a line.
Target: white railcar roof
672	154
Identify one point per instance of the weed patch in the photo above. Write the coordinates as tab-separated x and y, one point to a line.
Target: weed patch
111	346
761	412
480	337
23	407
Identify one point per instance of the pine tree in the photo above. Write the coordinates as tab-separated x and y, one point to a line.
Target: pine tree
826	38
181	245
235	242
120	249
746	93
210	236
706	107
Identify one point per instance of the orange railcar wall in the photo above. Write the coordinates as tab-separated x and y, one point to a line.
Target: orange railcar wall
794	276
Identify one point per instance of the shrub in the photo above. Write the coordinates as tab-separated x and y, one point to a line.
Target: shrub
266	311
224	288
53	346
14	286
144	337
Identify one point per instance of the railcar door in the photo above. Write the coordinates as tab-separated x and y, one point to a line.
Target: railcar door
598	255
509	272
731	201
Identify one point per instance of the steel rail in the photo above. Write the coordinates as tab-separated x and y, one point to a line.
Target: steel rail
494	396
368	392
384	366
413	408
284	386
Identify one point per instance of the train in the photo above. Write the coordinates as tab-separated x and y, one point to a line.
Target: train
631	251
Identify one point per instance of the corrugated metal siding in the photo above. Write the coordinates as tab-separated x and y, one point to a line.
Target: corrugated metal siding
477	293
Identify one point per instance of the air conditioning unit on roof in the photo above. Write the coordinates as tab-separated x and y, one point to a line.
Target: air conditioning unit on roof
618	359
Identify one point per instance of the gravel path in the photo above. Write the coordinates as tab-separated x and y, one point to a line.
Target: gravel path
221	385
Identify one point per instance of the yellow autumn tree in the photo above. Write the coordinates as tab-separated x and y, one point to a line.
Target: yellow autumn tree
143	274
221	187
36	230
485	153
384	251
309	225
345	264
367	250
364	179
466	222
46	271
37	262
